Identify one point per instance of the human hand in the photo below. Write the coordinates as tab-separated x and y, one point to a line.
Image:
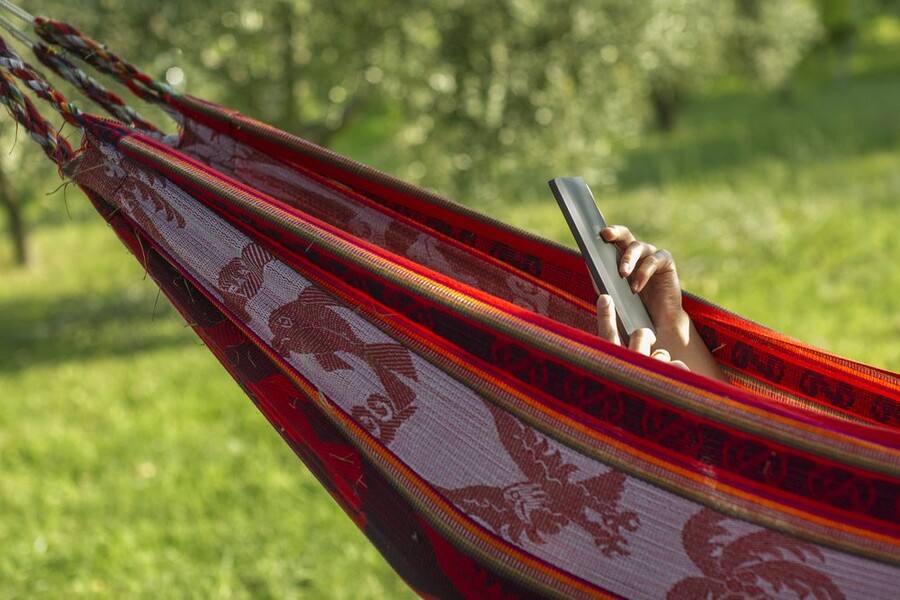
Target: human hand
641	340
651	273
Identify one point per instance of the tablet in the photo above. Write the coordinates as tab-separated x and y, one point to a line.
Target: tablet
584	219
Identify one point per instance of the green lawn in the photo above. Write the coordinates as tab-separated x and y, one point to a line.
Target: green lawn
133	467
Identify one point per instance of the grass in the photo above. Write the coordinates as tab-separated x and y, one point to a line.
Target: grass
133	467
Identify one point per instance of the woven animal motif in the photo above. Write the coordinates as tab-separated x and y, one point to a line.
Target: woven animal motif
309	327
758	565
242	277
548	498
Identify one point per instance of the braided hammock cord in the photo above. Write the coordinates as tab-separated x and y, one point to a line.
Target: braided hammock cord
98	55
26	113
33	80
53	58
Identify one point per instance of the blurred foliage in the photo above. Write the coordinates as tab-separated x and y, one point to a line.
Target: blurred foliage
843	19
771	37
493	96
687	43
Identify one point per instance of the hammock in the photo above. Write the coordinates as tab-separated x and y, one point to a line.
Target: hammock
436	370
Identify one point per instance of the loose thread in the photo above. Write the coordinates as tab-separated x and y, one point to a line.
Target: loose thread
188	287
63	185
155	303
145	260
15	139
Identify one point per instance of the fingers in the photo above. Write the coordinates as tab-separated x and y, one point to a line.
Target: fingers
642	340
618	234
634	253
639	260
659	260
663	355
606	320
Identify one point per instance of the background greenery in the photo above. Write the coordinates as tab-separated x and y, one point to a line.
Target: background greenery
131	465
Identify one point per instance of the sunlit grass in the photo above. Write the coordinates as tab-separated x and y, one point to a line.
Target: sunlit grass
132	466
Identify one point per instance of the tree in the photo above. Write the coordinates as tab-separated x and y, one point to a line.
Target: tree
842	21
679	48
13	207
771	37
496	95
514	92
685	44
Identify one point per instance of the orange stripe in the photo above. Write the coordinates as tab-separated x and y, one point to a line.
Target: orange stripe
573	347
632	451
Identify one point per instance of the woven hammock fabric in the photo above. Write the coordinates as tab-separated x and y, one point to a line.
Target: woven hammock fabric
415	360
437	371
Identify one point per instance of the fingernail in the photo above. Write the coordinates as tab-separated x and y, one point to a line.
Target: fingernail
603	301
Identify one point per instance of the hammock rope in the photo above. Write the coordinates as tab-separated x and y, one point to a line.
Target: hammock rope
98	56
53	56
37	83
26	114
436	370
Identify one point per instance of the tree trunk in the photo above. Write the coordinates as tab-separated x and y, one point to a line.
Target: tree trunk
17	227
288	67
666	100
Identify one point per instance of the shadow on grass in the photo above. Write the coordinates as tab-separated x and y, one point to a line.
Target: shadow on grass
39	330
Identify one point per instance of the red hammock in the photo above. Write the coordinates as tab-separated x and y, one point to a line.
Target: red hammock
435	369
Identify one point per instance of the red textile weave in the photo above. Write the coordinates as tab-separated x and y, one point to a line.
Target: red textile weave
817	468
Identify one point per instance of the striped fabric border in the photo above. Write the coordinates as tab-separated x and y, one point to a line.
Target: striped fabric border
477	315
375	450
